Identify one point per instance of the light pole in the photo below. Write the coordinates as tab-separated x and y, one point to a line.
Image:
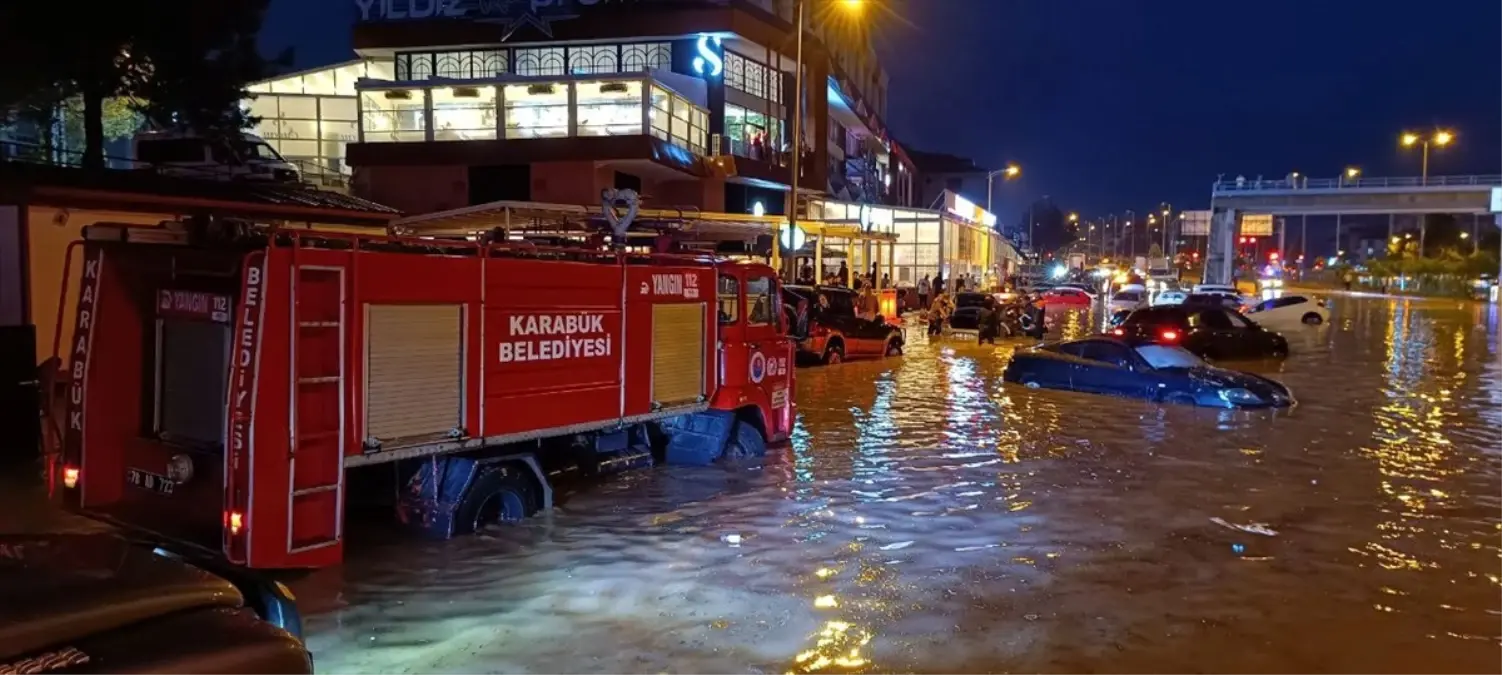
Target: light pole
792	204
1440	139
1011	171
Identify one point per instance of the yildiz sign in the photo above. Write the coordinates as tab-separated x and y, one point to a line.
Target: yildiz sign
496	10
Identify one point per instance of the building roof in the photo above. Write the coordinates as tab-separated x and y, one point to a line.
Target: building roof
939	162
144	190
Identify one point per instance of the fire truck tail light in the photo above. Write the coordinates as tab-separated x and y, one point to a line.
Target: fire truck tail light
235	520
70	477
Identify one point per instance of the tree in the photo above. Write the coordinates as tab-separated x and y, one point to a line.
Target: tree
183	63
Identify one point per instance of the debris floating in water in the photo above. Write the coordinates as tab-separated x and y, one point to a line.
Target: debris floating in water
1254	528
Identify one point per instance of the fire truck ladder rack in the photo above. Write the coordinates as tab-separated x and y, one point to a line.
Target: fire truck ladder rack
318	308
510	216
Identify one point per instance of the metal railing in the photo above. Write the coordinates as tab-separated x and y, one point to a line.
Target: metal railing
311	172
1244	185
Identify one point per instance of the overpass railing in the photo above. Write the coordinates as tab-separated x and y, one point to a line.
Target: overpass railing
1247	185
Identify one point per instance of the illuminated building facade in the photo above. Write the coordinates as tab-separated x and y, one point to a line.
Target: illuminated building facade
459	102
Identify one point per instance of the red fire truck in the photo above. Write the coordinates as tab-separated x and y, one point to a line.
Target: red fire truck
229	380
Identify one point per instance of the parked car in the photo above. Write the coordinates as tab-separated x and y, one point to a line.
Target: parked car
1128	299
105	603
1289	312
1211	332
1066	296
1142	369
832	331
1169	298
967	311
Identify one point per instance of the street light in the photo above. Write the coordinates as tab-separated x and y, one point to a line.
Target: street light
792	204
1352	172
1011	171
1440	139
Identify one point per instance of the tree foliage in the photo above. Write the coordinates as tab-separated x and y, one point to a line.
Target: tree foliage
181	63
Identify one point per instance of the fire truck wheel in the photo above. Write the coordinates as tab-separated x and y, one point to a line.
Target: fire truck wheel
746	442
499	496
834	353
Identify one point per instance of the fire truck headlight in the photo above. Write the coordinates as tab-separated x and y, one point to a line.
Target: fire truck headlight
180	468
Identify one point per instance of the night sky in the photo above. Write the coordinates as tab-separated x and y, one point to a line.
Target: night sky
1117	104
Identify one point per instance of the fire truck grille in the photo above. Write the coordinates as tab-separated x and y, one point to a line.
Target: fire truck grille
677	353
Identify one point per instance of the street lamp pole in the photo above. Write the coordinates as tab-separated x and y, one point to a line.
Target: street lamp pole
1440	139
792	203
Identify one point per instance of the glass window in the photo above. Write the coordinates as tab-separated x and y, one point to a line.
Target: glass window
662	105
609	108
299	107
394	115
1236	319
591	60
265	107
341	108
729	296
540	61
469	64
463	113
760	309
1106	352
735	71
1168	356
1210	319
536	110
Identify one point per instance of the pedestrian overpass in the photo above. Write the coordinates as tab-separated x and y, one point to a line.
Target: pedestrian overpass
1303	196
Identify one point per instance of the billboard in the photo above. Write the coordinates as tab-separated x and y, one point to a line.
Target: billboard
1195	224
1257	225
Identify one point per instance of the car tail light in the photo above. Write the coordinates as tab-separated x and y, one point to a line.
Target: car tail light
70	477
1117	331
235	521
1169	335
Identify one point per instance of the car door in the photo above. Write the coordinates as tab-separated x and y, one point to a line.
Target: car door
1109	369
1252	341
1213	336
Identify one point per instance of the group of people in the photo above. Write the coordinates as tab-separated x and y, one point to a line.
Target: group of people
1027	311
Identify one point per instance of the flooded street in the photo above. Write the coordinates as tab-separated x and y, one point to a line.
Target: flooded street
929	518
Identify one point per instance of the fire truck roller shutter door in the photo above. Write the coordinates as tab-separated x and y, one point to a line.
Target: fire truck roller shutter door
414	372
677	353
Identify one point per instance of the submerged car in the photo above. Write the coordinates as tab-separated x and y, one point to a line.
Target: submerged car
1290	312
1208	330
967	311
831	331
103	603
1142	369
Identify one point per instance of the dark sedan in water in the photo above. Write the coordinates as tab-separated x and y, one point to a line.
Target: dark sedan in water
1210	331
1142	369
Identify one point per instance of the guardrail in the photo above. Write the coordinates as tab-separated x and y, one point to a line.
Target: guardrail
1243	185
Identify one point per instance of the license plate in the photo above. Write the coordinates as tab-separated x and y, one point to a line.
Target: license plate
152	482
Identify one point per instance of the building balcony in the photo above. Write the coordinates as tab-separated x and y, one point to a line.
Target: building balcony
512	108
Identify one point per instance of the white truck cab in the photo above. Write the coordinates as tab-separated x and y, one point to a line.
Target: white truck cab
244	157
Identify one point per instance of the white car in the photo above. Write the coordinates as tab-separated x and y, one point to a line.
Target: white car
1169	298
1128	299
1289	313
1216	288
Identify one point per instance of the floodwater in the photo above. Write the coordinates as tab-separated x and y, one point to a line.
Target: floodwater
929	518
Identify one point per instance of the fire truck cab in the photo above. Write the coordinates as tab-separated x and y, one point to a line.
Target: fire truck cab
228	378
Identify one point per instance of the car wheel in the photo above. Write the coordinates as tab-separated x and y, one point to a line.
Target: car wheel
1313	319
834	354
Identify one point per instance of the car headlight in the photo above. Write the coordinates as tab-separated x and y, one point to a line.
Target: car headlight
1239	396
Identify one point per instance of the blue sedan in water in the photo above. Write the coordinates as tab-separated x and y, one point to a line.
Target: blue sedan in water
1142	369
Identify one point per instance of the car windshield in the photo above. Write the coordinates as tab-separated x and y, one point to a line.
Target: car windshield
1168	356
1128	296
256	150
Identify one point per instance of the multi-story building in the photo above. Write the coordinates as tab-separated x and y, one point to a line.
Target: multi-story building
458	102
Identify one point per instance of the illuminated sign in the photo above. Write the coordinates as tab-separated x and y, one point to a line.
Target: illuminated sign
709	59
512	14
1257	224
1497	200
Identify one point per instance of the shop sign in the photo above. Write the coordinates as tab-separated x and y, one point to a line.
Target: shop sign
512	14
709	56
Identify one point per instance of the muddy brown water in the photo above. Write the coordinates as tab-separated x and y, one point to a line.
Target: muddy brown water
929	518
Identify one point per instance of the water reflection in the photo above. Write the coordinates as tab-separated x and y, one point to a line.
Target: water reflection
929	518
